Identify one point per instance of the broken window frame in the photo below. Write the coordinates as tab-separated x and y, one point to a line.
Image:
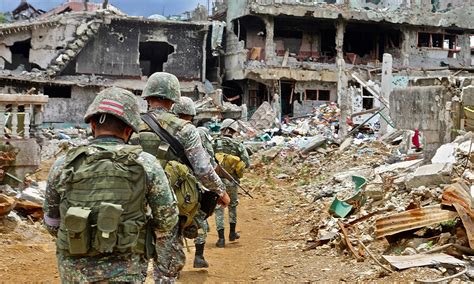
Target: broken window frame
318	95
443	39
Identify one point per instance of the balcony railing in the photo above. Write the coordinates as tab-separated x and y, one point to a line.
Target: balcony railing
16	124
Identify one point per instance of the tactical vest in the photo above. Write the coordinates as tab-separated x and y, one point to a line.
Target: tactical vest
180	176
226	145
102	203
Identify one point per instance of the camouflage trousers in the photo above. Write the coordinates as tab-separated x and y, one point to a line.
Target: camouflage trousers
201	221
170	257
234	201
110	268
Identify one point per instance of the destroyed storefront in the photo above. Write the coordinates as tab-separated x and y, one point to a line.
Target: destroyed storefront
292	49
71	57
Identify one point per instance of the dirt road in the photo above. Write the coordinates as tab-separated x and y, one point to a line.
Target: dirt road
28	253
274	229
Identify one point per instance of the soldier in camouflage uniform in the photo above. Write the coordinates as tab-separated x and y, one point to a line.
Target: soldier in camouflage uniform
99	216
161	92
226	144
186	110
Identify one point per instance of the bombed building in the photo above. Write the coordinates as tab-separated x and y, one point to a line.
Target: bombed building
70	57
314	52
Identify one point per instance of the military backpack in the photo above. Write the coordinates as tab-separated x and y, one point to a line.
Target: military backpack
102	201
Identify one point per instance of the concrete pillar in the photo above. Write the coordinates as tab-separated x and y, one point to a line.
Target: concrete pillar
269	43
465	53
405	51
343	96
385	92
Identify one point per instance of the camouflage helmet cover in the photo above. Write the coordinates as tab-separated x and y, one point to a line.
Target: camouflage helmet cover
231	124
162	85
117	102
185	106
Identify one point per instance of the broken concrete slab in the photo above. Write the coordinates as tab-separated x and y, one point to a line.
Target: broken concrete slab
433	174
419	260
445	154
398	166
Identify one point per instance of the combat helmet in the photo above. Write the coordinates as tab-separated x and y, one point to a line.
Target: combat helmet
185	106
231	124
162	85
117	102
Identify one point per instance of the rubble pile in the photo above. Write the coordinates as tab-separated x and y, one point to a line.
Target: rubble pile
368	200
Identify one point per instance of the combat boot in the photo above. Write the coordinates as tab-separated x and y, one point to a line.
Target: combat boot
221	241
199	261
233	235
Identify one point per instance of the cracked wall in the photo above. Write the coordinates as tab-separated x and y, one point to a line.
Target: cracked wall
115	51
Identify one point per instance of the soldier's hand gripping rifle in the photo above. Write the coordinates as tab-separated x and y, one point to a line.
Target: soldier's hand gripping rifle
224	174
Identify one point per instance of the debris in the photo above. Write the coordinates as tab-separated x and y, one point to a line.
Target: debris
7	204
412	219
314	143
464	271
374	258
347	240
419	260
433	174
343	208
445	154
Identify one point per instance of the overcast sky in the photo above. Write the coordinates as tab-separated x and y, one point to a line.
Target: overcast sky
131	7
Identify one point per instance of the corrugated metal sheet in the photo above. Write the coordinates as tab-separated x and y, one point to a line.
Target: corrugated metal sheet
412	219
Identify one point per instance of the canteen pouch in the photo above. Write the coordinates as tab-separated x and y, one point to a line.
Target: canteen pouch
77	225
108	221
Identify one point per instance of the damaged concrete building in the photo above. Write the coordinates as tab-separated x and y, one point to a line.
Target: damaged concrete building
72	56
315	52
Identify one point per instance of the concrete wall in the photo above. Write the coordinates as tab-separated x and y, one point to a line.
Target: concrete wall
47	42
115	51
305	107
425	108
71	110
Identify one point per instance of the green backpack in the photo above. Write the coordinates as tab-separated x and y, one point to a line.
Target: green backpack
185	187
180	176
102	204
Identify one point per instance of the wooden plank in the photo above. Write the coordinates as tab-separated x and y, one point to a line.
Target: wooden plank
419	260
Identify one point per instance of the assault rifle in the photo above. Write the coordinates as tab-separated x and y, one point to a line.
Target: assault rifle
224	174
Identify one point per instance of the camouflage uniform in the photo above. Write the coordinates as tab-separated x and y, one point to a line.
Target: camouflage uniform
116	267
229	146
171	257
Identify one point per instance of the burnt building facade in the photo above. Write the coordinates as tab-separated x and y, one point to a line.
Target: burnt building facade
71	57
307	51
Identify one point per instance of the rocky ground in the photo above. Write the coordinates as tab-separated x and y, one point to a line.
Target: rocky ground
287	232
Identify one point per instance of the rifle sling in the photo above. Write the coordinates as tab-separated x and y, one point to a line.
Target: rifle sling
176	147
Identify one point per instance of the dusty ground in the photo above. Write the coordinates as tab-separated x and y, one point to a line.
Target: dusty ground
273	228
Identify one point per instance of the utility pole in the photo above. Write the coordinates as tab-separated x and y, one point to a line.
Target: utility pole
105	4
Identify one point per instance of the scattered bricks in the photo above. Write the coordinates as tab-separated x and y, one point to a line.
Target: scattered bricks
434	174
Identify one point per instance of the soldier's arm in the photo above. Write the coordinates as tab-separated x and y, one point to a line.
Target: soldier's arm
160	197
52	218
207	144
200	159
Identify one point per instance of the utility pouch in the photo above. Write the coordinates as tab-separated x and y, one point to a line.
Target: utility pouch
108	220
77	225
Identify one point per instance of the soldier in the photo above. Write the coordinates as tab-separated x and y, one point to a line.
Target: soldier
161	92
97	197
186	110
227	148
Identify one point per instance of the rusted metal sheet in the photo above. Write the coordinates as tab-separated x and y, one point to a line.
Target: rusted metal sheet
457	193
412	219
466	218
